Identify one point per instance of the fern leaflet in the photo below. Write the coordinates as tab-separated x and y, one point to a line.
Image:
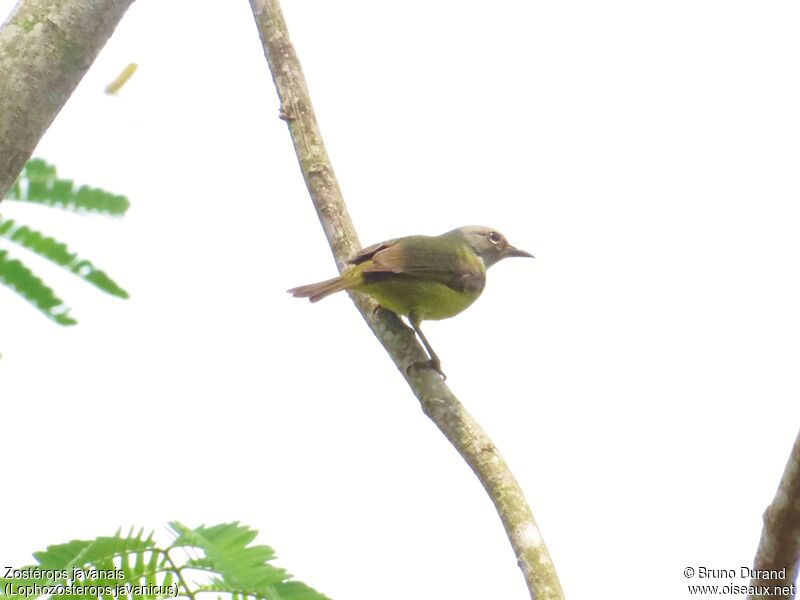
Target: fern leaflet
38	183
58	253
19	278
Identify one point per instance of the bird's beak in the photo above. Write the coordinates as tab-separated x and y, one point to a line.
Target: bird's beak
511	251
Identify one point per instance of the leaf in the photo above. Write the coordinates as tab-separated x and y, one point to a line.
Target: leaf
122	78
87	563
99	557
21	279
38	183
92	552
139	563
57	252
243	568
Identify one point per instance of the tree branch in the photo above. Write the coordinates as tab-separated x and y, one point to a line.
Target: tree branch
779	548
46	46
437	401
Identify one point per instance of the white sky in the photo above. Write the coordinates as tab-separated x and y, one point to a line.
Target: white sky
640	376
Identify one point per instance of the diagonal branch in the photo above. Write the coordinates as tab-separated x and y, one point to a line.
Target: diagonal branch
46	47
437	401
778	557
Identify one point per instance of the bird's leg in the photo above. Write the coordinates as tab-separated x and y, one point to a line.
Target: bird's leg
434	362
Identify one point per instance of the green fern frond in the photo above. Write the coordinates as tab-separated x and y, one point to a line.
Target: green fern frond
227	553
101	550
19	278
38	183
87	569
134	567
243	569
58	253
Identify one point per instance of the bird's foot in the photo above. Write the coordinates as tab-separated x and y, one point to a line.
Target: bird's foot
427	364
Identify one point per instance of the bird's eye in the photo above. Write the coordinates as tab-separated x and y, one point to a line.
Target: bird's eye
494	237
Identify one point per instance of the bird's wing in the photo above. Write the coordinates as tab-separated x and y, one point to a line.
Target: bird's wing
433	258
368	252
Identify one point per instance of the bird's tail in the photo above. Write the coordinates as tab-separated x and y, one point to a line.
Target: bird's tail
317	291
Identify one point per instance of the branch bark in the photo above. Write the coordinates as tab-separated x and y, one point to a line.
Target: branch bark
779	548
437	401
46	47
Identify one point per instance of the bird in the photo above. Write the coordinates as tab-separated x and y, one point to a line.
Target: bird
421	277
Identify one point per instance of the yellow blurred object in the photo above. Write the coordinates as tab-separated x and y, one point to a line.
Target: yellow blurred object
122	78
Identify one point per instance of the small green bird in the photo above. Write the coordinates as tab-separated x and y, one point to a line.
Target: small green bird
422	277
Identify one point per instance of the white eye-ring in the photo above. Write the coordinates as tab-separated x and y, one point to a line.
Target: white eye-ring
494	237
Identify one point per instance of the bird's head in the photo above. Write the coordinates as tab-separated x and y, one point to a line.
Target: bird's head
491	245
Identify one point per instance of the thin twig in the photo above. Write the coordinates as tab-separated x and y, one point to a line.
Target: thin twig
778	556
46	46
438	402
